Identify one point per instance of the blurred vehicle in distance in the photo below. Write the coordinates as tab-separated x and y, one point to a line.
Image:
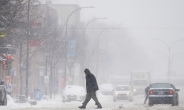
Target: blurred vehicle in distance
139	80
20	99
23	99
163	93
123	92
73	93
106	89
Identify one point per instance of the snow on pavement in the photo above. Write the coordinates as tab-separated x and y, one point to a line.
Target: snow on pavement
106	101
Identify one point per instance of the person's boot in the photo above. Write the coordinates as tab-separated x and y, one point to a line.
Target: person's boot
82	107
99	106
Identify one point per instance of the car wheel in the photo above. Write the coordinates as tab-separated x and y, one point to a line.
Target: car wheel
174	103
150	103
177	102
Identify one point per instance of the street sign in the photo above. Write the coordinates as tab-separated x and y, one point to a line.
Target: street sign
37	94
35	29
71	47
2	34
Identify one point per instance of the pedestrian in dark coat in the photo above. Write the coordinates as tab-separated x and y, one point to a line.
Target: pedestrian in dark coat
146	93
3	97
91	88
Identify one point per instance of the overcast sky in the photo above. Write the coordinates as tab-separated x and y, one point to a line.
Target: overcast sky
134	13
143	20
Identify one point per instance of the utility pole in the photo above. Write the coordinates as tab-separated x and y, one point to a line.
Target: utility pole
97	60
27	54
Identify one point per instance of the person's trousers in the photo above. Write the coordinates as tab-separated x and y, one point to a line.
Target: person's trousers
146	98
88	98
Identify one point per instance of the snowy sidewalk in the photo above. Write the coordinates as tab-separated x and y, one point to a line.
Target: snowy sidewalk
108	104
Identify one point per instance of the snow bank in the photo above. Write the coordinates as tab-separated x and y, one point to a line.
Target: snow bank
10	101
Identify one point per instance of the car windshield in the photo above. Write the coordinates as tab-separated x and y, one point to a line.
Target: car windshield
122	88
161	85
140	83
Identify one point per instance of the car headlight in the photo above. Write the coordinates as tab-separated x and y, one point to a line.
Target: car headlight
128	93
134	90
116	93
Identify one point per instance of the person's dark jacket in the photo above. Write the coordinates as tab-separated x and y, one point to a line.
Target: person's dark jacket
91	83
147	90
3	93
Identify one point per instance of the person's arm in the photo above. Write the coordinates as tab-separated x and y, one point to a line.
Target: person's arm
5	91
94	82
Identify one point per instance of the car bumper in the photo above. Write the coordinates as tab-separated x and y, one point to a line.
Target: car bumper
161	99
73	98
122	97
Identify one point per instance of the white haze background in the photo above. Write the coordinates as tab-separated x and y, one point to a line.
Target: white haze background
142	21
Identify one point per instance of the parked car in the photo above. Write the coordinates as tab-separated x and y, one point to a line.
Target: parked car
23	99
123	92
20	99
106	89
163	93
73	93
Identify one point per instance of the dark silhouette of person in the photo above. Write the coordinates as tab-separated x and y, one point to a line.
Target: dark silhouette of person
3	93
91	88
146	93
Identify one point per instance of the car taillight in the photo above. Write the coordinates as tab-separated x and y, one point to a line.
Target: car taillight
150	92
171	92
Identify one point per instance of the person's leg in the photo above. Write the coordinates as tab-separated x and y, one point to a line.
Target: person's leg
87	99
93	96
145	99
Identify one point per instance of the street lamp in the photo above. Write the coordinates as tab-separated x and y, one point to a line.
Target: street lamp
65	41
83	41
169	56
107	50
98	48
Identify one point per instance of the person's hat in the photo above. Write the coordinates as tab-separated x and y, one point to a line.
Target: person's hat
86	71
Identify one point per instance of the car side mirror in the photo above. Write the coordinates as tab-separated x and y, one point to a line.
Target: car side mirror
177	90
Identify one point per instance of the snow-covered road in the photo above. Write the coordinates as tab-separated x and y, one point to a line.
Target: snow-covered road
106	101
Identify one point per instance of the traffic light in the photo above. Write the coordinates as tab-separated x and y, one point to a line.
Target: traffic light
8	61
8	57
